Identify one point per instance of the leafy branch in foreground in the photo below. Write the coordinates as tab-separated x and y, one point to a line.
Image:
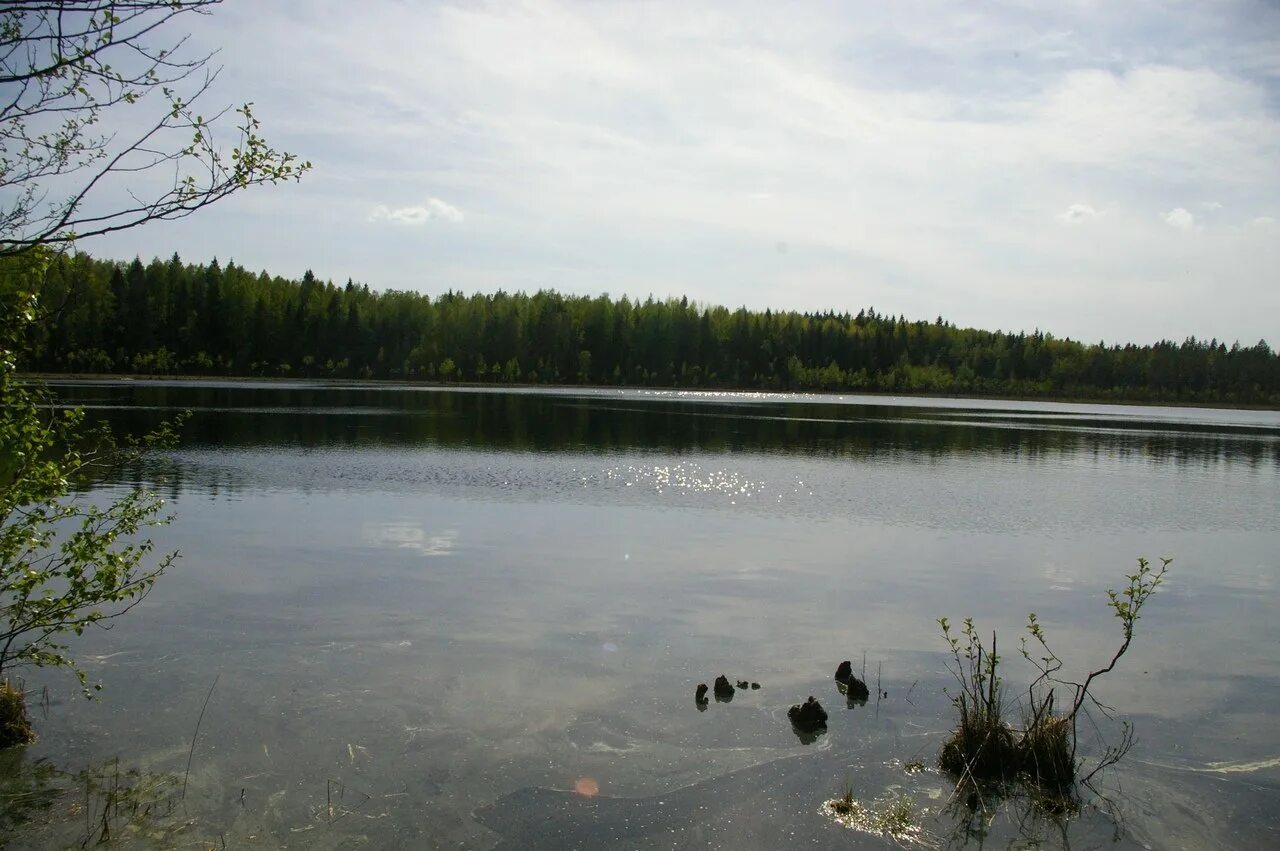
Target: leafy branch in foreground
69	68
65	563
1125	605
1045	751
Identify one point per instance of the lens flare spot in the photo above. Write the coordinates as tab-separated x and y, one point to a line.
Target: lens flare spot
586	787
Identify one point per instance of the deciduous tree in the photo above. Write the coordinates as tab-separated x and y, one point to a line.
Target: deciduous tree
99	131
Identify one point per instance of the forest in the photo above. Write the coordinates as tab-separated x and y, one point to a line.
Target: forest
167	317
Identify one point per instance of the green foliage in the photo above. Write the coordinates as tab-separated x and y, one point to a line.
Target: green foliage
65	564
168	317
1126	606
15	726
66	67
984	747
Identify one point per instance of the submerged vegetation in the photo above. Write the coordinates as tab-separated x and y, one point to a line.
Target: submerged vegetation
171	317
1043	754
101	805
895	816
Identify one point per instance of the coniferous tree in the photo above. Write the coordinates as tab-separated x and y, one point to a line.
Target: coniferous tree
173	317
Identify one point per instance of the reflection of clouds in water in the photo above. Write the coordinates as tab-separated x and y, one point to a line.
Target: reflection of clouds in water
407	535
1060	578
1255	578
691	478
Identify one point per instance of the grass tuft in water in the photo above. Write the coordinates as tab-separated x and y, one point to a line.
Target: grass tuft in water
15	725
983	745
895	816
984	748
1044	753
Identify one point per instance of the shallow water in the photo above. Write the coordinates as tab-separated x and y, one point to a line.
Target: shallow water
431	613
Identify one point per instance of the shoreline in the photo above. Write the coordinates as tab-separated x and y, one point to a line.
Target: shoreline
817	395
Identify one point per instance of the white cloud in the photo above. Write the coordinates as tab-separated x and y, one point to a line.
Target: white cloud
419	214
926	160
1180	218
1077	214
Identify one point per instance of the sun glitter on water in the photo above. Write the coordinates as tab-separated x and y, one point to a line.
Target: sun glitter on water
689	478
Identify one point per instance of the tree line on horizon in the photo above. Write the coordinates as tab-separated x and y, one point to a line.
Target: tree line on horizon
168	317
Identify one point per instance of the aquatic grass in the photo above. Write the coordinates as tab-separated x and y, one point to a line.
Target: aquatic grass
44	806
15	724
894	817
186	775
1045	749
983	745
844	804
985	749
132	801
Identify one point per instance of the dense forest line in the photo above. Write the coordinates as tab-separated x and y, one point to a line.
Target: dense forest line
170	317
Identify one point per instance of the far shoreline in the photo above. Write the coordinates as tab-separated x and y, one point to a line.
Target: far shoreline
818	395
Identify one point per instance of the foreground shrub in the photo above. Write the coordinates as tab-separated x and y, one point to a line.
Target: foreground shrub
985	747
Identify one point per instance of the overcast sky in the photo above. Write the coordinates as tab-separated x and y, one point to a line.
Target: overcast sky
1098	170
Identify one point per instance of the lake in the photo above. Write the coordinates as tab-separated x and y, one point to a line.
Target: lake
476	617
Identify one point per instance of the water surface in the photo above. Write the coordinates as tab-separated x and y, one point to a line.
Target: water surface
432	613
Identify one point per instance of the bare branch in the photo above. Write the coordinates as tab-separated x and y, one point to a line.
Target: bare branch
63	67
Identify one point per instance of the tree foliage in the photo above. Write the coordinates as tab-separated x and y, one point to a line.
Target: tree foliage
166	317
80	155
65	563
99	132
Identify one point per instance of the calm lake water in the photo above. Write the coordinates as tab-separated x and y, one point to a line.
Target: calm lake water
437	617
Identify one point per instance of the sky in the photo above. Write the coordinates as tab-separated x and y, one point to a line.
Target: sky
1095	170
